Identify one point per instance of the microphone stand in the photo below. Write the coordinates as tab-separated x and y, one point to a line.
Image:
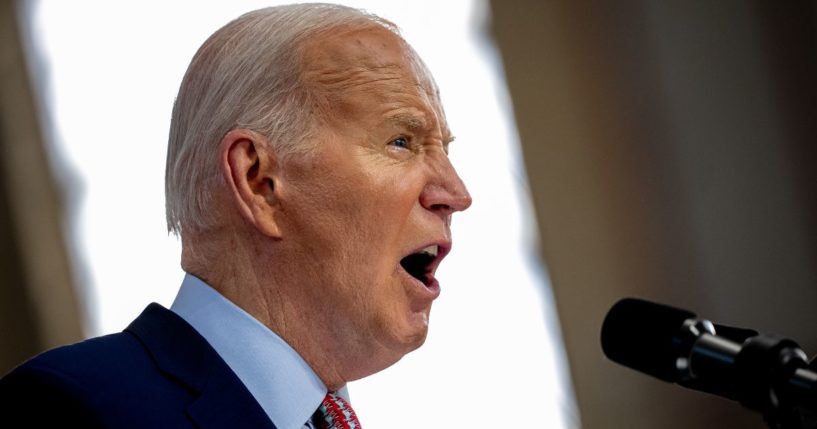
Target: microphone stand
801	414
773	376
764	373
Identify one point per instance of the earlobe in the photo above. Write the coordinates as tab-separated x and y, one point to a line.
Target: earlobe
250	170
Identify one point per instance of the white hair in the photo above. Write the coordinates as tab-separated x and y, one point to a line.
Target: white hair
246	75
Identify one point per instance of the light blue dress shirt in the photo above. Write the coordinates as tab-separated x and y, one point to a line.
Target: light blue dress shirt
274	373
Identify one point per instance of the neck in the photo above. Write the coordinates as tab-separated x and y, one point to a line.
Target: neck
273	293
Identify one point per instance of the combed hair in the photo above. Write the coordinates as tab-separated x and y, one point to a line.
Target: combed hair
245	75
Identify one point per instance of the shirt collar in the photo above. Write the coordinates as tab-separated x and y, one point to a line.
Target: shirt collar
274	373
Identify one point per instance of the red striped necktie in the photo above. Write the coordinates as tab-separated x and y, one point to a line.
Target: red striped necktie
336	413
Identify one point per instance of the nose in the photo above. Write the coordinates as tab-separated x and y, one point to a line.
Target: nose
445	193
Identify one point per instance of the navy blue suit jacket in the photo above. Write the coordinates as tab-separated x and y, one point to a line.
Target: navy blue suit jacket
157	373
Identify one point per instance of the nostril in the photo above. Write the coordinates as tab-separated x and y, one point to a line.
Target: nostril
441	208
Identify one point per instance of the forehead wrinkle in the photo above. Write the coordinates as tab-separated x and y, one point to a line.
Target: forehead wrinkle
335	83
343	74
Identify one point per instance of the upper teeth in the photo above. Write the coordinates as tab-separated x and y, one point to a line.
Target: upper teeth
431	250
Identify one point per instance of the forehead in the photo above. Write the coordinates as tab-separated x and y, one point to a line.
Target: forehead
348	49
351	65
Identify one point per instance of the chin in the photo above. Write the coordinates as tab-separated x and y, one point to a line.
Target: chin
400	344
386	357
414	334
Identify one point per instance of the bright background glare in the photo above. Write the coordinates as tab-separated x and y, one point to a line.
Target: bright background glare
109	72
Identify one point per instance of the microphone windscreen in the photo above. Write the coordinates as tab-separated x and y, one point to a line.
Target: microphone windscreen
644	336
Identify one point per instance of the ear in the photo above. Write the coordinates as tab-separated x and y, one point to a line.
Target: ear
250	170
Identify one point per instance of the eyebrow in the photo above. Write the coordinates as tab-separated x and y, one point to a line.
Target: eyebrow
415	122
411	121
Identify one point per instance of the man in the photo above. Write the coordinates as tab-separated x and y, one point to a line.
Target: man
308	178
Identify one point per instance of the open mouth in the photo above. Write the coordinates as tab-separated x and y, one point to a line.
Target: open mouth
421	264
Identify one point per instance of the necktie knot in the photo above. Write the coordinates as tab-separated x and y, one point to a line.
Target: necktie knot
336	413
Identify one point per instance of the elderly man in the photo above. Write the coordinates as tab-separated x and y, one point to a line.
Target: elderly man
308	178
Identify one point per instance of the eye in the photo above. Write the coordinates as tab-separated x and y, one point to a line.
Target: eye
401	142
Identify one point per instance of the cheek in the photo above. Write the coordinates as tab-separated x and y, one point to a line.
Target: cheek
355	214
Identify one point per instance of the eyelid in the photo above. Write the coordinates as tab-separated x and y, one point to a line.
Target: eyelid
409	140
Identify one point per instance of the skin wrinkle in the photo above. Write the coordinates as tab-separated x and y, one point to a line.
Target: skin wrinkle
343	79
400	115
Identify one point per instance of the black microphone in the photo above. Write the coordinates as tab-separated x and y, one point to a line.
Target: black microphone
762	372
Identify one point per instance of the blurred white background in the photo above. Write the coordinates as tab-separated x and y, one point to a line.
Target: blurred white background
109	72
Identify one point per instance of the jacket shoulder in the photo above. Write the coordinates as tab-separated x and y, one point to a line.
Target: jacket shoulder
62	385
108	381
93	360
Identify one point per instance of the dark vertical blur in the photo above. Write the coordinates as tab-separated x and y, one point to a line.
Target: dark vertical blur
790	42
38	305
670	151
18	340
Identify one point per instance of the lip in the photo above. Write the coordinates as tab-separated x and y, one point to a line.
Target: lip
432	289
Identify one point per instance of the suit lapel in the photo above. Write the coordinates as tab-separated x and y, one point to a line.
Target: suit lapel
185	356
224	404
